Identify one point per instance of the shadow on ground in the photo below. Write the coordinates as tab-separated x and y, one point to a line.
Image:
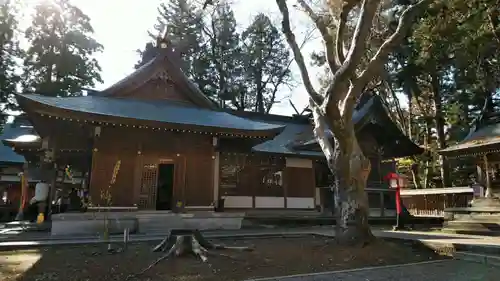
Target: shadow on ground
272	257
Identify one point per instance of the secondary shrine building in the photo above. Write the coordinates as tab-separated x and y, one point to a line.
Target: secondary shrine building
177	147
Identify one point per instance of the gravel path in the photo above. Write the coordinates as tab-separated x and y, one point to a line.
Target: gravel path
455	270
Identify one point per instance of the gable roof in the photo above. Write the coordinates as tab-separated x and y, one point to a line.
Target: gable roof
167	61
483	137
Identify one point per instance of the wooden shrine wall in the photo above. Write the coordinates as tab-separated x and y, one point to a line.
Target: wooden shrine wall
300	183
113	145
141	152
265	181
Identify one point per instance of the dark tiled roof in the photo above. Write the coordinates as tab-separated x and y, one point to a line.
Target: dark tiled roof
10	131
482	138
484	135
283	143
161	111
297	138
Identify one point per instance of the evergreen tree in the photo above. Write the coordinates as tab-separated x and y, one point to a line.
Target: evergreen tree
59	59
182	23
9	51
243	71
266	63
224	59
447	68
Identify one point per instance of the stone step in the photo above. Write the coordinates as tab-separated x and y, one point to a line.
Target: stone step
488	259
472	227
477	216
473	224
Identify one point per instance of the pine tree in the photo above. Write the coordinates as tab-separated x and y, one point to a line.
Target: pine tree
9	51
267	62
59	59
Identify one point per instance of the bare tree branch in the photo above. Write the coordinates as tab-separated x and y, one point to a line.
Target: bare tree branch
297	54
207	3
281	77
337	89
340	45
376	64
493	18
325	31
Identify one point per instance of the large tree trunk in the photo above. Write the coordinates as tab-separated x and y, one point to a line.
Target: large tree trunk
350	169
441	136
428	171
352	207
415	173
336	106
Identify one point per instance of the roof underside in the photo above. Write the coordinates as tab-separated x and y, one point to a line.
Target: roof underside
158	111
11	131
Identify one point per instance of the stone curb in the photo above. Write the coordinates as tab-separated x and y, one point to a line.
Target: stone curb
452	248
319	274
445	247
478	258
48	237
19	245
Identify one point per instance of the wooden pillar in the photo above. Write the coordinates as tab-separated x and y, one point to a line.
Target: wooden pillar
480	173
24	200
382	204
489	191
96	133
48	169
216	164
379	166
52	189
90	157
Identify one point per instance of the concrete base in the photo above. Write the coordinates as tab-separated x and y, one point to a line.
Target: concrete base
145	222
482	218
92	224
163	221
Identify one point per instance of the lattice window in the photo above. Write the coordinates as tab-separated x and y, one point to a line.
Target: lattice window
143	202
148	185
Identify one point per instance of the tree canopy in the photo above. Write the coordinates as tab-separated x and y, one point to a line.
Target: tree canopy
240	68
9	52
59	60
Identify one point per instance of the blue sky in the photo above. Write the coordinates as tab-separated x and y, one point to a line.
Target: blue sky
122	25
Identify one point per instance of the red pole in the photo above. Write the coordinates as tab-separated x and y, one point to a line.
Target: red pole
398	199
398	206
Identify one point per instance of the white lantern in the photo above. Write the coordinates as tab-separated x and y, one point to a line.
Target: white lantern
393	183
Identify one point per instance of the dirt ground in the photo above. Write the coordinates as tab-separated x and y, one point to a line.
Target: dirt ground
271	257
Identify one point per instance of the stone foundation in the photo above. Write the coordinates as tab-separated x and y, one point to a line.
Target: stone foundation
482	218
144	222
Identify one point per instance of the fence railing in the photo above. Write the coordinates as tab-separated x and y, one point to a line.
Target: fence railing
426	213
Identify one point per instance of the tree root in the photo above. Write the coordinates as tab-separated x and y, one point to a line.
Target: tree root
187	242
